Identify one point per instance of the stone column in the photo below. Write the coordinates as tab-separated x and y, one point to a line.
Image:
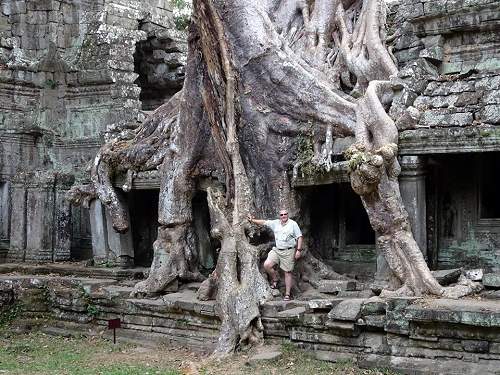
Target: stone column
412	185
99	232
17	246
62	235
4	219
121	246
40	217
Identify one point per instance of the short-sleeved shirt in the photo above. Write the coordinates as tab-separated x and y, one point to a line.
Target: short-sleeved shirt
285	235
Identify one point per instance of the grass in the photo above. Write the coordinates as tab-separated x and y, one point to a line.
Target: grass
37	353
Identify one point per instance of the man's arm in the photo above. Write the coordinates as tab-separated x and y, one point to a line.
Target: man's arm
256	221
299	243
298	252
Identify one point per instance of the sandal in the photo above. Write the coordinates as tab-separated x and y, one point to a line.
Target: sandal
274	284
287	298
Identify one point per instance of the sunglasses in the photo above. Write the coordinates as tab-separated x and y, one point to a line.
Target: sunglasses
283	214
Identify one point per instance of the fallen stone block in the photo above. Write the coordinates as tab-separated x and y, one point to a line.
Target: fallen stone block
366	293
265	353
474	275
320	304
349	310
335	286
323	355
447	277
373	306
295	313
492	280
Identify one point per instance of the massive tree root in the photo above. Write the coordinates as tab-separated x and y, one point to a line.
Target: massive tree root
129	152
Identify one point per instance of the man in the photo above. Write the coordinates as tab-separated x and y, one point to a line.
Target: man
288	248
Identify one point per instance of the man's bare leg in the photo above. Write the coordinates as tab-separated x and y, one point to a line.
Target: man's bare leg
288	283
269	267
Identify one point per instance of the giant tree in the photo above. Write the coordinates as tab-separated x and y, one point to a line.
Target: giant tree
260	74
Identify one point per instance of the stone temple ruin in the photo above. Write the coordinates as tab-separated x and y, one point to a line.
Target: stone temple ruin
75	73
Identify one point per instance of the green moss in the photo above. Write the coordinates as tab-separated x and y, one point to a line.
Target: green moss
182	14
51	84
305	153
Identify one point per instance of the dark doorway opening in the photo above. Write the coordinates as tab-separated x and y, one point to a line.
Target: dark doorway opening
464	215
340	231
81	238
143	206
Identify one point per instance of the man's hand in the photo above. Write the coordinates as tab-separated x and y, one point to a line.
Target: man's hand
250	217
297	254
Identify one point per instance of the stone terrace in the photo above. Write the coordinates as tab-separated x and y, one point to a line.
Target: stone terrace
413	335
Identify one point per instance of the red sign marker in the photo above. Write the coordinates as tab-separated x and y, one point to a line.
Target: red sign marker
114	324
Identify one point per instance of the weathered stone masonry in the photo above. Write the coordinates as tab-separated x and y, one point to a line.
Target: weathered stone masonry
413	335
68	75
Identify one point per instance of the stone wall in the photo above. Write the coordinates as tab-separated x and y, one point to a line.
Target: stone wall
70	71
412	335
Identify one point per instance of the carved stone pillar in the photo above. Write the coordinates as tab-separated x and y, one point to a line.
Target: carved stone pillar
17	246
4	219
412	186
40	216
121	246
62	216
99	232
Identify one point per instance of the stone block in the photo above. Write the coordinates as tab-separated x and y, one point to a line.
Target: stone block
295	313
347	310
491	280
317	320
396	320
320	304
469	312
324	355
36	17
476	346
43	5
495	347
373	306
492	97
447	277
266	353
445	118
474	275
417	74
435	54
335	286
10	8
375	321
490	114
343	328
